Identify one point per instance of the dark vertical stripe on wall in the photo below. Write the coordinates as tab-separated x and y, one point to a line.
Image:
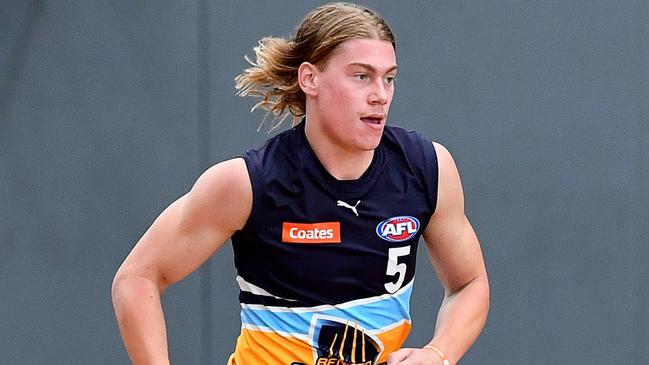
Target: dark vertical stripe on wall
17	56
203	138
203	130
642	185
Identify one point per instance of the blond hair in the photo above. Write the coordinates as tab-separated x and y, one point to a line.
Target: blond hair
273	74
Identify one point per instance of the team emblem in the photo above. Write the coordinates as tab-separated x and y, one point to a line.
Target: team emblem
398	229
339	342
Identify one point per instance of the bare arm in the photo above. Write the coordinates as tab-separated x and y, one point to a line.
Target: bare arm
182	238
457	258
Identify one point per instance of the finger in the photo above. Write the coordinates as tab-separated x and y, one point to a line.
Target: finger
396	357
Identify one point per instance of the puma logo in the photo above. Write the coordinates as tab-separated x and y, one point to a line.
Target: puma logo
345	205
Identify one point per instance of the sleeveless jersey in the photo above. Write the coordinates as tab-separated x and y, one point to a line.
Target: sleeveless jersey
325	266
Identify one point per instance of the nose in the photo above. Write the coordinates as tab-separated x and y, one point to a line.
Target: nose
379	94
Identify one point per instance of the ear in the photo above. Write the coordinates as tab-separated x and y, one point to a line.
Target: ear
307	77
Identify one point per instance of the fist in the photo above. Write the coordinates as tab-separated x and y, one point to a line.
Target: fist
410	356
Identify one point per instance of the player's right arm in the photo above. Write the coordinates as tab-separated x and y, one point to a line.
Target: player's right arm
182	238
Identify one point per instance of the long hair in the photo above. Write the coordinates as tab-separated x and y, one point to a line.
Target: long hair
272	76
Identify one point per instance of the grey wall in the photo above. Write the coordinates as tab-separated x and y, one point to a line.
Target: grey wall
110	110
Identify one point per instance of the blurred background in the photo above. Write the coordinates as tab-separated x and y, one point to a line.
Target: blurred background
110	110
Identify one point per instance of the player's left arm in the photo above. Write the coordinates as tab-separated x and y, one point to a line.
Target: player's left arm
457	258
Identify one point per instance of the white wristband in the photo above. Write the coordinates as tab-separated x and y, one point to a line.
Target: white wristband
439	353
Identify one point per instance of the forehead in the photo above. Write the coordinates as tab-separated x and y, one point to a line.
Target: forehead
375	52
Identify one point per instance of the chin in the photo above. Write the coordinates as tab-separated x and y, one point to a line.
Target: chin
368	145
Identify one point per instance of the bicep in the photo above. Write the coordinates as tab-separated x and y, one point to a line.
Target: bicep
192	228
452	243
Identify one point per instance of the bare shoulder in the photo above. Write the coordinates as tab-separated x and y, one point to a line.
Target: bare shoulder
444	159
223	188
229	176
227	171
441	149
450	194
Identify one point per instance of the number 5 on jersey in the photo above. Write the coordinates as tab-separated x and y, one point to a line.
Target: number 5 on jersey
394	268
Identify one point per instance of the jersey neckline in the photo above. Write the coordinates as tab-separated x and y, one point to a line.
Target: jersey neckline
341	188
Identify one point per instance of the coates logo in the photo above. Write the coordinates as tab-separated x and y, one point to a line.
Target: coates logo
326	232
398	229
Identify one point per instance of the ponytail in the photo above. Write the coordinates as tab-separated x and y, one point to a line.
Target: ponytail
272	76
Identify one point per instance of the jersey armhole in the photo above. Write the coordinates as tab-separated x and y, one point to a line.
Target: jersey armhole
254	174
431	173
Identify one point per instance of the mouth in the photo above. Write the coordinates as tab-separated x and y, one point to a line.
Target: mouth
374	119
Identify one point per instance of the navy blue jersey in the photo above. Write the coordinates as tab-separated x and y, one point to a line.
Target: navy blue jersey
320	258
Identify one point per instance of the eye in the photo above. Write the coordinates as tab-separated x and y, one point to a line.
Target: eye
361	76
390	79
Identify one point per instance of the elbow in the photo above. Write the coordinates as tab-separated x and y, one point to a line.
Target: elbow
129	287
120	281
118	287
483	295
477	292
480	285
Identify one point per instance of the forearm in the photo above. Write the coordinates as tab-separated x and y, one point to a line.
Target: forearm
138	309
461	319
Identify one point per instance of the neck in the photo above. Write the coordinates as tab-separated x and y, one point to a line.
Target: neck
342	163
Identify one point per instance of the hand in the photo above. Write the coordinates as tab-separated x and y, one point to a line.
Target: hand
410	356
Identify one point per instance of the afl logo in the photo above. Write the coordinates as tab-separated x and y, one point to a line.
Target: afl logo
398	229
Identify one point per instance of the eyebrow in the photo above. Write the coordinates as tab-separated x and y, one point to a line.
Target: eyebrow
370	67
